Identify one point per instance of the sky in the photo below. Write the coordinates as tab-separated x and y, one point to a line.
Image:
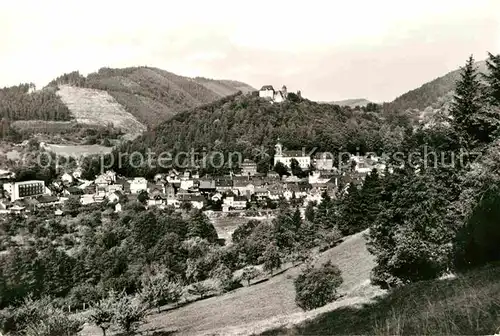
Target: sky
330	50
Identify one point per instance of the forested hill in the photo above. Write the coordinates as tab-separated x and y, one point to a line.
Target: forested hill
435	94
245	122
153	95
21	102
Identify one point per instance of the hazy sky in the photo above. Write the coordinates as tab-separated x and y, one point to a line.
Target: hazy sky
328	49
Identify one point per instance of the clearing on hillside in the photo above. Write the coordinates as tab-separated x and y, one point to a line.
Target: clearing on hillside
269	304
77	151
96	107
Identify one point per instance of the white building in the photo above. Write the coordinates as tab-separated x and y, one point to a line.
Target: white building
186	184
316	178
6	174
285	157
248	168
268	92
236	202
108	177
67	178
77	173
138	184
323	161
19	190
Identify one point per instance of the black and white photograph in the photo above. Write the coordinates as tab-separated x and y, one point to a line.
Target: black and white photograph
249	168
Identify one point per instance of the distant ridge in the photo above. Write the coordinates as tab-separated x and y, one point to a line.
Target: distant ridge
437	91
430	99
150	95
361	102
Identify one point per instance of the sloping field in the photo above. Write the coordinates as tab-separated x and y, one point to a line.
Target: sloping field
270	304
77	150
96	107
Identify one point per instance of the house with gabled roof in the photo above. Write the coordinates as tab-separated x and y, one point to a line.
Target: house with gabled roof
47	200
261	192
73	191
197	201
223	184
207	186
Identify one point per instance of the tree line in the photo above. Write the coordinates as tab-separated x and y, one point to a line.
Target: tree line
431	220
22	103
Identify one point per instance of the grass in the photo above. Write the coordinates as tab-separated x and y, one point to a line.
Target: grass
466	305
265	305
226	225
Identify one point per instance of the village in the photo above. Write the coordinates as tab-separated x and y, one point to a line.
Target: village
235	193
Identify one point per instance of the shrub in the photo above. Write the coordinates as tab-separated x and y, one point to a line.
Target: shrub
250	273
201	289
54	323
315	287
39	318
16	320
224	276
83	294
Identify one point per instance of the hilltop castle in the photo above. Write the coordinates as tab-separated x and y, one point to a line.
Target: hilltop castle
268	92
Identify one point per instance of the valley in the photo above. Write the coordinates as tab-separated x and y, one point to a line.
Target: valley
314	227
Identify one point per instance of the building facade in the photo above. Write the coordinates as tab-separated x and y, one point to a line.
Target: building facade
19	190
285	157
323	161
278	96
248	168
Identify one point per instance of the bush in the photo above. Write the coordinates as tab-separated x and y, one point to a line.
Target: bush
224	276
315	287
55	323
83	294
202	289
16	320
39	318
250	273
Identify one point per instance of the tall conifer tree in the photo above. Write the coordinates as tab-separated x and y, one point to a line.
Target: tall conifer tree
493	78
474	119
467	99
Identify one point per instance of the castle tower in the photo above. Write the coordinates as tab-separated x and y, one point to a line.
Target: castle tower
278	148
284	91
